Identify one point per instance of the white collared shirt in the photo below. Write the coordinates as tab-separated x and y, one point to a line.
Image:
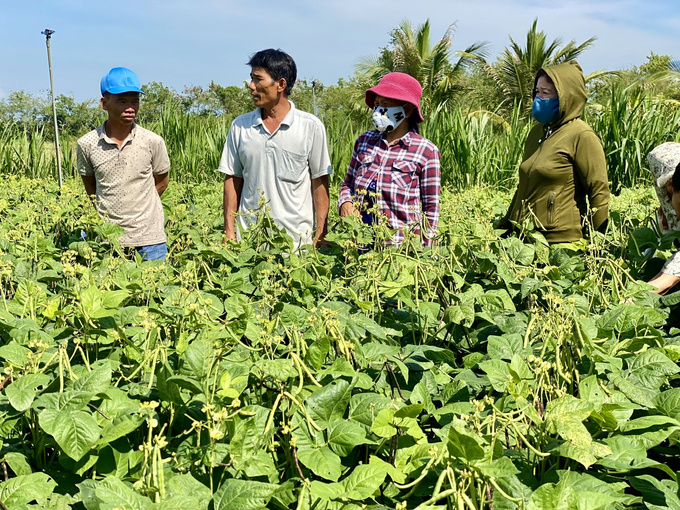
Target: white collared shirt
280	165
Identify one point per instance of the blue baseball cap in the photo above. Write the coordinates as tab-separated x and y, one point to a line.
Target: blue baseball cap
120	80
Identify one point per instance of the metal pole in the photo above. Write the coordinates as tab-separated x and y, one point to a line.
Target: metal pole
316	110
48	34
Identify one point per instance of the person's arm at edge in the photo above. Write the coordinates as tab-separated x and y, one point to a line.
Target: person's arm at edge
430	191
86	173
345	200
90	183
160	165
664	282
232	198
322	200
161	182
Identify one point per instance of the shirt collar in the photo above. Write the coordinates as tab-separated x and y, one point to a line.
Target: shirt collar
287	120
103	136
404	140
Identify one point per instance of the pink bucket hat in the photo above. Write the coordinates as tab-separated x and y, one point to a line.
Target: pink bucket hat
399	86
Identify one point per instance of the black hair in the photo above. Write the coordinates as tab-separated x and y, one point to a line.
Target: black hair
676	179
414	120
278	64
540	73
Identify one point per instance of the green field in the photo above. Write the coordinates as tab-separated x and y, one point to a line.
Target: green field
484	373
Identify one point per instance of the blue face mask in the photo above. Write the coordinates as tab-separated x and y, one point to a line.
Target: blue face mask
545	110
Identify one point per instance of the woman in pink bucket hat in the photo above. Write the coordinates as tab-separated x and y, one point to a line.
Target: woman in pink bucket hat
394	171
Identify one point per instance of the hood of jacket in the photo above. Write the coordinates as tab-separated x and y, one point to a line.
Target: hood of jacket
571	90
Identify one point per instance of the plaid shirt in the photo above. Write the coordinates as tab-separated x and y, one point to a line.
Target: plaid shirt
407	178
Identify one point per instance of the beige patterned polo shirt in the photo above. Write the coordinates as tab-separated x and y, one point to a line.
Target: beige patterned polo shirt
126	190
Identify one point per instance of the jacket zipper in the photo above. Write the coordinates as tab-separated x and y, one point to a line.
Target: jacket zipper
551	204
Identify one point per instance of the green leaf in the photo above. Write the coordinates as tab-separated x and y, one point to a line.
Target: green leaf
498	373
395	473
330	402
22	391
463	314
651	367
279	369
503	347
363	482
628	317
15	353
196	360
21	490
531	286
91	300
344	436
317	352
668	403
567	406
96	381
75	432
185	382
383	425
113	298
113	493
499	468
464	446
17	461
409	411
119	427
657	494
496	300
364	407
322	461
186	485
651	430
236	494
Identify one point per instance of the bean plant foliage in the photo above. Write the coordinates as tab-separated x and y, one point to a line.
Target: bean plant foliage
487	372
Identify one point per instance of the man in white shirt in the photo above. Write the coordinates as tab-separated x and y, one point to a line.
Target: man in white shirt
277	151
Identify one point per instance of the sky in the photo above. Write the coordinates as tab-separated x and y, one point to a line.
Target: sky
193	42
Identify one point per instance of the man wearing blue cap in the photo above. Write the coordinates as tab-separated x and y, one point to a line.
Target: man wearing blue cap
125	167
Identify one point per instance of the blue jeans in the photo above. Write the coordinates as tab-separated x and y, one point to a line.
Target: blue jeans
153	251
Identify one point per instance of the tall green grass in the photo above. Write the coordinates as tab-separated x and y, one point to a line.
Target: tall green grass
477	147
194	143
630	125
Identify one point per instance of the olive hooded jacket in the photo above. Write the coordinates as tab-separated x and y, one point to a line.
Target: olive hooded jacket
563	164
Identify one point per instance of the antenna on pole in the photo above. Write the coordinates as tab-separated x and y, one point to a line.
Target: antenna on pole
48	34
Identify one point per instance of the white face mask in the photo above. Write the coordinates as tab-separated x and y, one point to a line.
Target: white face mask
387	119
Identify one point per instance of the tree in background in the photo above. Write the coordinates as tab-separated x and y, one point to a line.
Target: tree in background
658	78
156	98
411	52
516	67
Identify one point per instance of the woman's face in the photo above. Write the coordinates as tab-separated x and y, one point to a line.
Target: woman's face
545	88
387	102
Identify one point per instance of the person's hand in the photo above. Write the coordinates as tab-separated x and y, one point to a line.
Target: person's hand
228	236
348	209
321	243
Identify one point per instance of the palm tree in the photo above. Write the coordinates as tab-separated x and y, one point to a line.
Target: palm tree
516	67
410	52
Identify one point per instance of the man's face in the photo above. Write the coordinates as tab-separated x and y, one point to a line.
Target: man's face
264	89
122	108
